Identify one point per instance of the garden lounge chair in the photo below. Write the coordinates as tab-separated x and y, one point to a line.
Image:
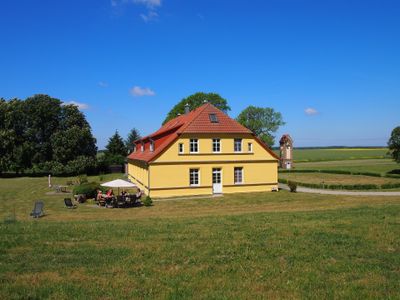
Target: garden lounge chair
68	203
37	211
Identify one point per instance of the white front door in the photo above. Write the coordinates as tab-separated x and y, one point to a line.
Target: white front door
217	180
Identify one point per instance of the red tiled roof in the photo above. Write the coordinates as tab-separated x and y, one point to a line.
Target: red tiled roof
196	121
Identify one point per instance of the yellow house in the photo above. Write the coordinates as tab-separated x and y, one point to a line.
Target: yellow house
199	153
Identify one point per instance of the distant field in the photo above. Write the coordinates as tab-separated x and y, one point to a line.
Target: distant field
359	165
329	154
244	246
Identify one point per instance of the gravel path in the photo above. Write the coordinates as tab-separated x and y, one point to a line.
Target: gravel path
335	192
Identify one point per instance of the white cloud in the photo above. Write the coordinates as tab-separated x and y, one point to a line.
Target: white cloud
81	106
148	3
138	91
103	84
150	16
151	7
311	111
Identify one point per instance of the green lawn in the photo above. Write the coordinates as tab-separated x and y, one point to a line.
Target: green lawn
329	154
261	245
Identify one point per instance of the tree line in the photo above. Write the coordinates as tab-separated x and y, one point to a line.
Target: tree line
42	135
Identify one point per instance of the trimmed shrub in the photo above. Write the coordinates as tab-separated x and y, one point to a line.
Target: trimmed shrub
367	174
282	180
335	172
390	186
298	171
292	186
395	171
147	201
81	179
392	176
89	189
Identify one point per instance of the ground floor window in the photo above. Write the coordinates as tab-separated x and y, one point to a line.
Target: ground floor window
238	175
194	178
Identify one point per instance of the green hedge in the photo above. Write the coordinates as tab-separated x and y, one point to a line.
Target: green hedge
343	186
89	189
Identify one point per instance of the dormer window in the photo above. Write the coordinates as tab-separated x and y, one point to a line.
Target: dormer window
213	118
134	147
151	145
142	147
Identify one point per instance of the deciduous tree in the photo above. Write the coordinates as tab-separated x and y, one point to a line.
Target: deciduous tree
263	122
196	100
394	144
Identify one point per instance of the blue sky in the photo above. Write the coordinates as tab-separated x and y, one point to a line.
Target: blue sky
331	67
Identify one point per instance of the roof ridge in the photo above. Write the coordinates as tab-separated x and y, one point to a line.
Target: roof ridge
203	107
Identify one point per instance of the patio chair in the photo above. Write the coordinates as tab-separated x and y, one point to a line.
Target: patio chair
68	203
37	211
121	201
101	202
109	202
133	199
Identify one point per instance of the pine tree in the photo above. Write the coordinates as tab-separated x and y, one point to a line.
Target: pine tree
116	145
133	136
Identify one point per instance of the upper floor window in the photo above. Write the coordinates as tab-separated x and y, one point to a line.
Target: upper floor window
238	175
250	147
194	178
142	147
181	148
134	147
238	145
216	145
152	146
194	145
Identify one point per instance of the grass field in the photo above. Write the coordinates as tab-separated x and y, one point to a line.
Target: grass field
336	178
330	154
381	166
262	245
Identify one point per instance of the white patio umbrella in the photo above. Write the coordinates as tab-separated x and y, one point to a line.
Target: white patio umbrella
119	183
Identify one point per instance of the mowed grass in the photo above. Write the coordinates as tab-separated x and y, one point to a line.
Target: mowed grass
261	245
336	178
381	166
329	154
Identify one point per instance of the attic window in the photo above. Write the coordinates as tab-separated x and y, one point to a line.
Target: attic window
151	145
213	118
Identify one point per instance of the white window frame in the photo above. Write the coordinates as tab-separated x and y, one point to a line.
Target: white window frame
234	175
198	145
250	147
198	177
241	145
142	147
134	148
219	145
181	148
